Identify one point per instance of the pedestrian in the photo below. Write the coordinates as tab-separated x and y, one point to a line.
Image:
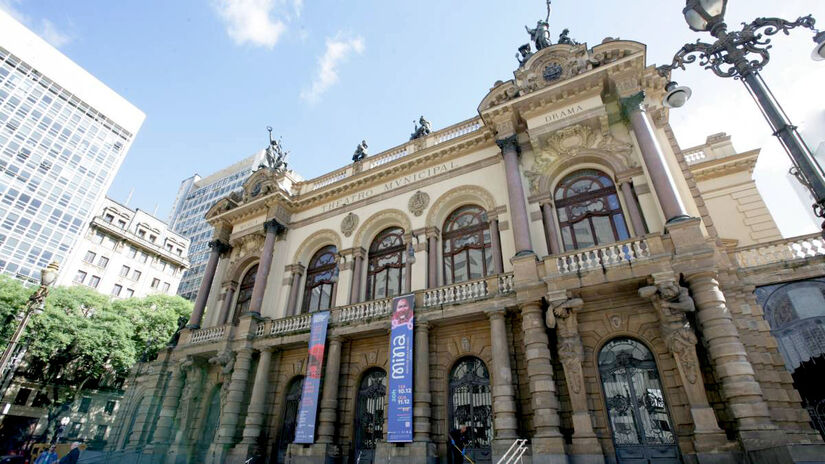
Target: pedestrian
72	456
48	456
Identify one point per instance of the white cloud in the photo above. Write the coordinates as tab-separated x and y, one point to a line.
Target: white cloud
251	21
297	6
45	29
338	51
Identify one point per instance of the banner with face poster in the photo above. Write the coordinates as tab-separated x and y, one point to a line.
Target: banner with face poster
400	411
305	430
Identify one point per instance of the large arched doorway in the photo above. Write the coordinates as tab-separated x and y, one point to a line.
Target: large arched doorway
209	429
369	414
289	418
636	409
471	412
127	437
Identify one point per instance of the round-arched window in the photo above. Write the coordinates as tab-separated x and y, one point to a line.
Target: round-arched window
589	211
385	274
320	281
245	293
466	245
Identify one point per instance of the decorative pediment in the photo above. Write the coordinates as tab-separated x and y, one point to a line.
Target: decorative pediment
576	141
500	93
261	183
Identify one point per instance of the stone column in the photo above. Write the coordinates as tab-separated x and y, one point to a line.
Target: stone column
562	315
547	441
272	228
355	291
654	158
327	417
256	411
672	302
515	193
632	208
297	271
549	218
432	258
495	246
409	259
505	422
228	297
741	390
421	394
218	248
171	401
232	402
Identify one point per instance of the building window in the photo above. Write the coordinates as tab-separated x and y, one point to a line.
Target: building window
155	283
165	287
142	233
385	274
41	400
466	245
136	275
369	418
245	293
108	218
85	404
470	407
130	293
124	271
589	211
121	223
22	396
100	432
153	238
132	252
116	290
90	257
320	281
80	277
109	409
94	281
103	262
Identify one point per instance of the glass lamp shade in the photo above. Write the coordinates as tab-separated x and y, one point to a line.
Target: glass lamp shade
676	96
819	50
49	274
702	14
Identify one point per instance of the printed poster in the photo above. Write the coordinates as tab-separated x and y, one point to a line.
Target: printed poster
305	430
400	409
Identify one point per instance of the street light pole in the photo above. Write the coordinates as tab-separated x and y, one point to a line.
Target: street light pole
35	304
741	55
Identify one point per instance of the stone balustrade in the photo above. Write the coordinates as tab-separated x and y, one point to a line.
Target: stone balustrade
207	335
694	156
600	257
457	131
505	283
806	246
456	293
291	324
382	159
364	311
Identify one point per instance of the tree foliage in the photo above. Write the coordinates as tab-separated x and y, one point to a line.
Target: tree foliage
13	296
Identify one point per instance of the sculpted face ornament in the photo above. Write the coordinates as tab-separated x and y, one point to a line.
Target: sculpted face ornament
552	72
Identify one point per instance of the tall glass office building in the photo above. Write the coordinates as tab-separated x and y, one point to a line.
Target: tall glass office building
195	196
63	137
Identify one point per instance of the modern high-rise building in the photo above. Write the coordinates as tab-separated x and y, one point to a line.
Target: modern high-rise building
63	137
195	196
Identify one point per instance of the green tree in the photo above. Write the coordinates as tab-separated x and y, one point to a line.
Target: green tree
13	297
155	319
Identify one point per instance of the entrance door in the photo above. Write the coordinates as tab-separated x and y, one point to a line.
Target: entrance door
471	413
369	417
292	401
639	419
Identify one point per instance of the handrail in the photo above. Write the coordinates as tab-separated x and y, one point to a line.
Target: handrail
604	256
801	247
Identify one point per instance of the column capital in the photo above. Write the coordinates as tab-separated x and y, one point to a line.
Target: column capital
423	324
432	232
508	143
274	226
296	268
220	246
337	338
229	285
495	313
632	103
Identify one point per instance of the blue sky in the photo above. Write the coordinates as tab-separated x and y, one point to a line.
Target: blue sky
211	75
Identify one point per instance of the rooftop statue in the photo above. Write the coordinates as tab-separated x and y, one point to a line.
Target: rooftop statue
423	130
565	39
540	35
360	151
275	154
526	52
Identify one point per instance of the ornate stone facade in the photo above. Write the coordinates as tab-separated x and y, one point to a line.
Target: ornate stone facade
570	289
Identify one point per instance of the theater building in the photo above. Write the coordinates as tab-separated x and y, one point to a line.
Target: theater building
579	281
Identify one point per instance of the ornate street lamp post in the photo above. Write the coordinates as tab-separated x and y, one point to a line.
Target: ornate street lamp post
35	304
741	55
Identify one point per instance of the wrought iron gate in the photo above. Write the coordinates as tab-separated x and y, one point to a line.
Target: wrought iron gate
292	401
471	412
369	417
639	419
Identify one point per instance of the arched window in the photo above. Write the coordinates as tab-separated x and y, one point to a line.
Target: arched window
471	412
795	312
321	275
245	293
466	242
369	417
589	210
127	437
209	426
385	273
636	406
289	419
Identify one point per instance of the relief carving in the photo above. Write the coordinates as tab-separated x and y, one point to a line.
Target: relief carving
561	315
226	360
348	224
418	202
190	395
672	302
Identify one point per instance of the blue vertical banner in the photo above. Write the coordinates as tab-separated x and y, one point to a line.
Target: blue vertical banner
400	411
305	430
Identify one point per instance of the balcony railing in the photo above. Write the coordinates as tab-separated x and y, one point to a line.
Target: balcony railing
601	257
364	311
298	323
207	335
806	246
